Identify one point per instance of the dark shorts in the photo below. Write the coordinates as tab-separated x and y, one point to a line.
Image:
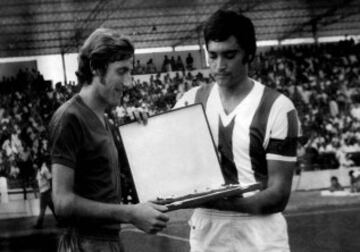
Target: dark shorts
93	245
102	241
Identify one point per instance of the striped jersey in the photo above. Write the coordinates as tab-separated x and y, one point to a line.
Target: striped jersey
264	126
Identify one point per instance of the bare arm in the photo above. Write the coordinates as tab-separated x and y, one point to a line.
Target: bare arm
147	217
271	200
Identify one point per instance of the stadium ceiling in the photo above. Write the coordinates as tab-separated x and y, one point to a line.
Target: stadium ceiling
38	27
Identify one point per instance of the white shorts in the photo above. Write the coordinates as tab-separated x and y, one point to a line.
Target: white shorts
222	231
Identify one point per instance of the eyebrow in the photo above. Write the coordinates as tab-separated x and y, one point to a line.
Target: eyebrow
123	68
226	51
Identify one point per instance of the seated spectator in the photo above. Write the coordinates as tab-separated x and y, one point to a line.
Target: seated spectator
335	185
355	111
354	181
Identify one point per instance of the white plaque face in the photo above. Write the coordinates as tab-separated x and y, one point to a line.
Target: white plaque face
173	155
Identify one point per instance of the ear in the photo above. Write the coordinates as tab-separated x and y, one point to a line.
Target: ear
248	58
92	69
95	72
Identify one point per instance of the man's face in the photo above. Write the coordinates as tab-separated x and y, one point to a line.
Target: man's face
226	62
117	75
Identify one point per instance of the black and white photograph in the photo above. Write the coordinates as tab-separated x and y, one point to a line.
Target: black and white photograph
179	126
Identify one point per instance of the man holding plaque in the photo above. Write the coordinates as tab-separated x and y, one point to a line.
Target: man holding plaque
255	130
85	160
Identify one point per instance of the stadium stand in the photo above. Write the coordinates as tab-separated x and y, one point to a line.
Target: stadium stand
323	81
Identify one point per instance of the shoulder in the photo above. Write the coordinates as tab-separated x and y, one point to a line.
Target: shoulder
285	101
276	100
204	90
283	119
68	113
283	109
71	108
197	94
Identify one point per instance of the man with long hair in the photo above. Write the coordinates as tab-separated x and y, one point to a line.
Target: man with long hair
84	156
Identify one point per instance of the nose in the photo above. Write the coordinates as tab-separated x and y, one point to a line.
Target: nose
128	79
221	64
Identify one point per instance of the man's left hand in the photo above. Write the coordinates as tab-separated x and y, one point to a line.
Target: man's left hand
141	116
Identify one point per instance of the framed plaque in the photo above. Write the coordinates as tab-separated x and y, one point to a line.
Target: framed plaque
173	157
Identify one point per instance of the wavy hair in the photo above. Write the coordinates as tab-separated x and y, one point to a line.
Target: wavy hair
102	47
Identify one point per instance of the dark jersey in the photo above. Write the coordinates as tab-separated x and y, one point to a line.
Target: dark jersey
81	142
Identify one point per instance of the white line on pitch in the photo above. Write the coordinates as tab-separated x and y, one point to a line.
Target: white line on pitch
320	212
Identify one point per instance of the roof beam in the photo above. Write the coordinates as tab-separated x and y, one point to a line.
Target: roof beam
90	23
230	4
321	19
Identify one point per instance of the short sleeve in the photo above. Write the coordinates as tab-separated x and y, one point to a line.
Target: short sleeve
65	140
284	131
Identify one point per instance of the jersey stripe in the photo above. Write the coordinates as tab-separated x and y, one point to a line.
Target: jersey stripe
225	148
228	167
293	124
257	134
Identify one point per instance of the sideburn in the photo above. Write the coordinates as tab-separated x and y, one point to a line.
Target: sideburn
102	73
102	79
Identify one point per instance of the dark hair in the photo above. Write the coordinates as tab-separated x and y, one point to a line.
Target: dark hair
225	23
102	47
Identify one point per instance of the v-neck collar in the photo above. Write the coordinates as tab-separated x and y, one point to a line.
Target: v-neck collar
81	101
227	118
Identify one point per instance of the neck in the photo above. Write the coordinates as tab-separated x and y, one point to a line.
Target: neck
239	89
232	97
91	99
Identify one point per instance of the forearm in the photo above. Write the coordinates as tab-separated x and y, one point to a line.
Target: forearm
267	201
72	207
272	199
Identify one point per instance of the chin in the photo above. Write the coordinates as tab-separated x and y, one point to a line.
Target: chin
222	83
114	103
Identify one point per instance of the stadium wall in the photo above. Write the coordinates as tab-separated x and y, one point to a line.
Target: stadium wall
308	180
158	58
317	180
146	77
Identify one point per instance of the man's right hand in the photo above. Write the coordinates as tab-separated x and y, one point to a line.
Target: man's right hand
149	217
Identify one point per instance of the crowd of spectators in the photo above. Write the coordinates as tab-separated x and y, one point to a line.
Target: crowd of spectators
323	81
139	68
168	65
27	102
157	95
